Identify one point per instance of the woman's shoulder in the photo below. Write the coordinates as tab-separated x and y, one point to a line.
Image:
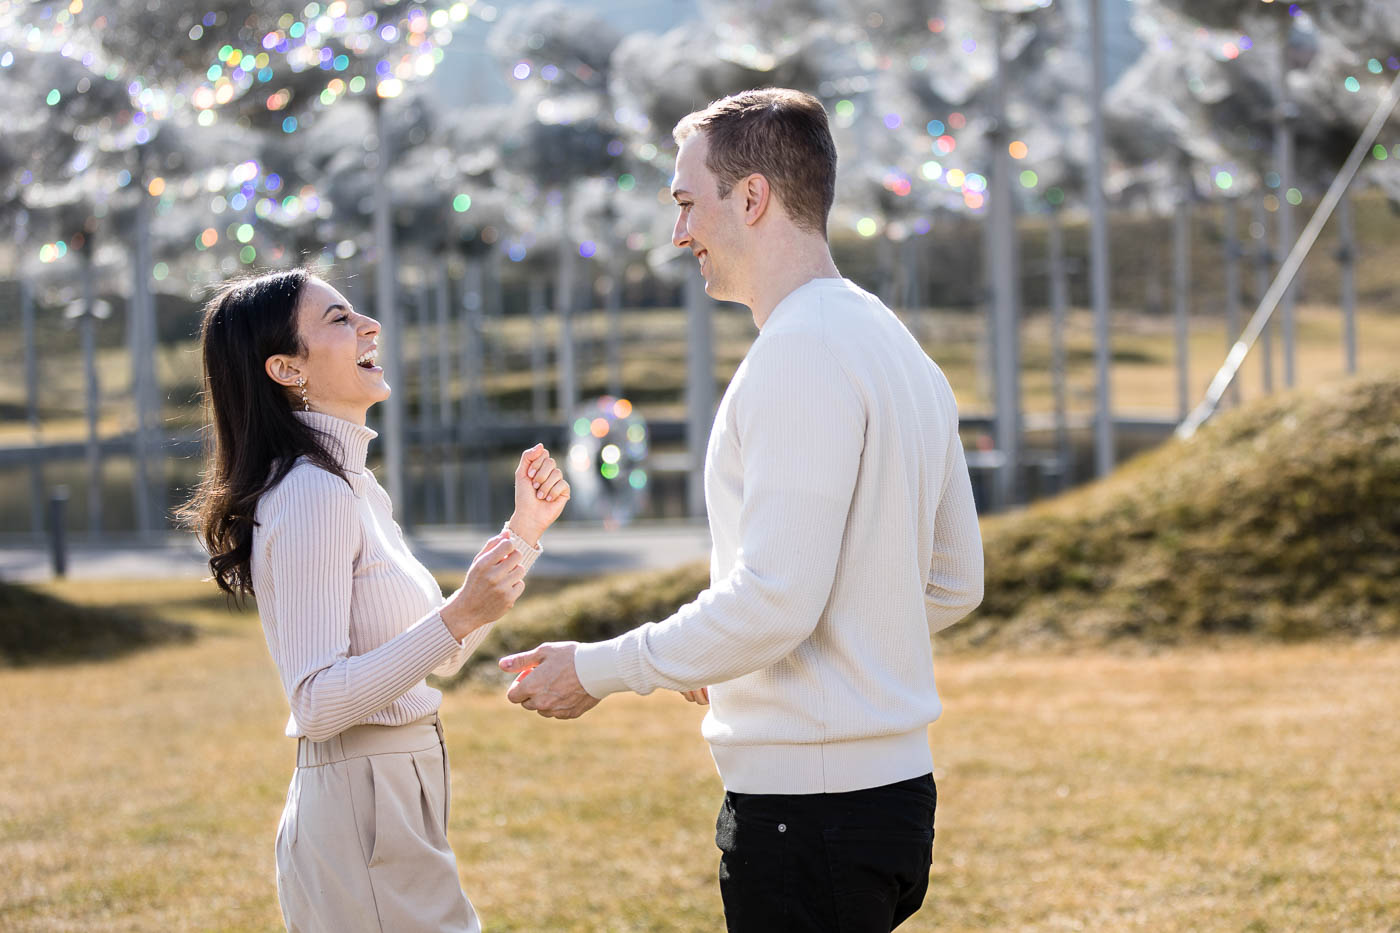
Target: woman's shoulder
307	483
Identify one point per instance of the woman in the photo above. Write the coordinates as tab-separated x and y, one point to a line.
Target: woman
354	623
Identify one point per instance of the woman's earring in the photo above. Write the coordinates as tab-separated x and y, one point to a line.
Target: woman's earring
301	382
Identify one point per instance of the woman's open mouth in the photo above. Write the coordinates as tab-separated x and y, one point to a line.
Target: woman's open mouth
368	358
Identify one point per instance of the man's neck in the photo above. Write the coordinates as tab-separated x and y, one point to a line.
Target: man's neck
789	271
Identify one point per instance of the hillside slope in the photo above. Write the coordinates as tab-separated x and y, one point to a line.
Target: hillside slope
1281	519
38	628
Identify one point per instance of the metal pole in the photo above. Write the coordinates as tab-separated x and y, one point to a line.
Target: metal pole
58	538
423	312
539	397
88	327
493	308
142	360
1232	282
1104	454
1059	307
1291	265
390	340
476	491
1004	279
1263	264
1181	284
566	397
913	295
446	436
1283	159
1346	257
619	271
699	386
31	407
473	336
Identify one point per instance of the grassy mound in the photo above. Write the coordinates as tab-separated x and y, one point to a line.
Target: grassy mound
36	628
1279	520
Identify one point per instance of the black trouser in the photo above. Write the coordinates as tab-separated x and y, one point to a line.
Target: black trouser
854	862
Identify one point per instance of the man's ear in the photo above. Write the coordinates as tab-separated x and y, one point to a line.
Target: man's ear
283	369
757	196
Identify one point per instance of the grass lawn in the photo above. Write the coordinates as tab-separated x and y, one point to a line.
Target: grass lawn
1236	787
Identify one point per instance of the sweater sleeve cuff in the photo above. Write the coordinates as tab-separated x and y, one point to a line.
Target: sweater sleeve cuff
597	666
440	636
528	554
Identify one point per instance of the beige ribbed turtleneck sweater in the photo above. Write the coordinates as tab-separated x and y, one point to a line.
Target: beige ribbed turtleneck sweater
351	616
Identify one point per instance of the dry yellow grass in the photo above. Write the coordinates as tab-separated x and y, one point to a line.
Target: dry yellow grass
1247	787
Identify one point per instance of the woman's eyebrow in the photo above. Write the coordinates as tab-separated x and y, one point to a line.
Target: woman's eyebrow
332	308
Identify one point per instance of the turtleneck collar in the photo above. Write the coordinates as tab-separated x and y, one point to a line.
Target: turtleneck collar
345	441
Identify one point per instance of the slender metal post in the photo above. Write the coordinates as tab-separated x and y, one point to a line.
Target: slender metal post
1232	283
473	336
1104	454
140	334
1346	257
390	339
58	530
31	408
618	272
447	418
1181	285
493	310
1003	275
1292	263
476	488
699	386
1059	308
913	294
566	397
1284	112
88	327
423	312
539	399
1263	266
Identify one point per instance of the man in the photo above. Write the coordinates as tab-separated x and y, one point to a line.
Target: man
844	536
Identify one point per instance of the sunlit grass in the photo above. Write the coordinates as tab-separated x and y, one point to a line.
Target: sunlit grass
1194	790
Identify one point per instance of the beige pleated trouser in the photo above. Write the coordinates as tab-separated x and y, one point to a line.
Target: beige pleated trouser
362	845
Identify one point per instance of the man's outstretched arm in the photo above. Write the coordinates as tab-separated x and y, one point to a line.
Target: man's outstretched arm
801	427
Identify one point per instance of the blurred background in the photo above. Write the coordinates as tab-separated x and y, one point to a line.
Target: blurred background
1152	243
1077	246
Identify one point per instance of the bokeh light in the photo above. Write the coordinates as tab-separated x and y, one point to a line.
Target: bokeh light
608	445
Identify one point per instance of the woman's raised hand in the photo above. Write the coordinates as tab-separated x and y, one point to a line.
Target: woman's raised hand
493	584
540	494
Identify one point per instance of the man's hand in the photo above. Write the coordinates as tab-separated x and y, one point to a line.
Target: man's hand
700	697
547	682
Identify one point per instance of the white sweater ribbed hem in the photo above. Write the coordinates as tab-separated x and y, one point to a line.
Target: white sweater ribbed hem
828	768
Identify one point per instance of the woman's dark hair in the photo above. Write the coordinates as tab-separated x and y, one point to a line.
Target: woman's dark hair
252	439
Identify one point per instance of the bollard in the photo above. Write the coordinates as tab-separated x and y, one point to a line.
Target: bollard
58	507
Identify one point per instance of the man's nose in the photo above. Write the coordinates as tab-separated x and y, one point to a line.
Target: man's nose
680	236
